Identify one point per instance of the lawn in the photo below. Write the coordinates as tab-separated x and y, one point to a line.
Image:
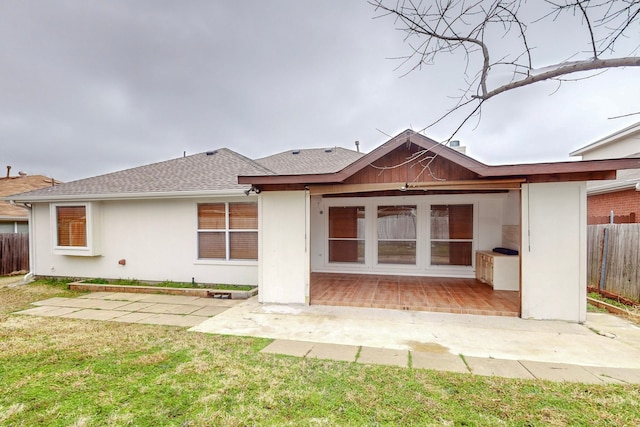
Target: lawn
66	372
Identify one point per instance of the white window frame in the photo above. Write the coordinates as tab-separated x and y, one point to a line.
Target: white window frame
227	231
473	239
423	236
93	230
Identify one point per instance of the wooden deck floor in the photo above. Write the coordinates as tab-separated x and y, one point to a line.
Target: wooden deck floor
439	294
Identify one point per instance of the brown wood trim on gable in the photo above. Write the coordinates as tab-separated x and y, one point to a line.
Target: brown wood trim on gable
411	157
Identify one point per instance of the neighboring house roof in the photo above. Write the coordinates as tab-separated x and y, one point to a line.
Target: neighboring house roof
626	180
538	172
624	143
609	139
205	173
310	161
19	184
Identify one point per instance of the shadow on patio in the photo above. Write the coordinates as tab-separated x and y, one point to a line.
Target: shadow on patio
439	294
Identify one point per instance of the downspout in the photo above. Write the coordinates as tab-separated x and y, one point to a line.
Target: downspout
605	250
32	259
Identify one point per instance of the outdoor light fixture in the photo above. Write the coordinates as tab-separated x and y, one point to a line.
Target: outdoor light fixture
254	189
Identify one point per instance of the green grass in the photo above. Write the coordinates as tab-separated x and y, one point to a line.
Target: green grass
66	372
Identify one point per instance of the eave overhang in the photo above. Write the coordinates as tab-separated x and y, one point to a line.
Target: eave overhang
534	172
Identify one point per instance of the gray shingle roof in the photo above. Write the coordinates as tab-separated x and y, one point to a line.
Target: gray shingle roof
199	172
310	161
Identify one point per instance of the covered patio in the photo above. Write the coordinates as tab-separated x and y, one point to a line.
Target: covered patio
438	294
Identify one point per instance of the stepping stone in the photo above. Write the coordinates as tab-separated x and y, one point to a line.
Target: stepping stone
497	368
438	361
288	347
561	372
383	356
340	352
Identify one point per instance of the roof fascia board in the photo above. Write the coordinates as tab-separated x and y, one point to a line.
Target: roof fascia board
533	169
127	196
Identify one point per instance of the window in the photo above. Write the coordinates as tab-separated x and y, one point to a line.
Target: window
71	225
397	234
451	234
346	234
76	229
228	231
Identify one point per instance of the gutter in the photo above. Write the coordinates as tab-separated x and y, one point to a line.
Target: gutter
126	196
613	187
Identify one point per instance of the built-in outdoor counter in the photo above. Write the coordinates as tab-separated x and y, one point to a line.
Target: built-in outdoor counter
500	271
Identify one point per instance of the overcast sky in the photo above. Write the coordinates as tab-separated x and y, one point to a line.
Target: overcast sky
91	87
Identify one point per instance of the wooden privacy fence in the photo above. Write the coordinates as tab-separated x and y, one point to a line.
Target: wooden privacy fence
14	252
613	259
617	219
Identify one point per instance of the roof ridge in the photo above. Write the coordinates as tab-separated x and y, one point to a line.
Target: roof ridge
253	162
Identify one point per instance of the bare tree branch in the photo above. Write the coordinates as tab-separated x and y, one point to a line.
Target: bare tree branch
563	70
472	26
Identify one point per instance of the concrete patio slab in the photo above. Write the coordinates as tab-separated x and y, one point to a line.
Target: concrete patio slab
497	368
136	317
64	302
209	311
616	375
101	304
135	306
173	320
171	309
168	299
344	353
49	311
91	314
438	361
383	356
289	348
561	372
217	302
494	337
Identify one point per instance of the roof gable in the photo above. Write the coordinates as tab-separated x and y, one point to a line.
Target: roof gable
409	162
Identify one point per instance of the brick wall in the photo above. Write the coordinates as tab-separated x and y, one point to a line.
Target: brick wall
624	204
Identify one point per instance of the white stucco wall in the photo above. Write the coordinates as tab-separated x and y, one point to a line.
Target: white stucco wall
553	251
284	247
157	238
